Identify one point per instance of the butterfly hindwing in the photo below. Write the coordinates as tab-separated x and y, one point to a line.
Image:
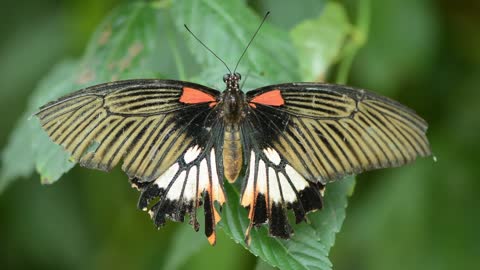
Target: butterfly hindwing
195	178
272	185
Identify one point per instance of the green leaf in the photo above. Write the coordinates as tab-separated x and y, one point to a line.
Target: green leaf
263	265
226	27
128	45
29	146
186	243
319	41
51	161
309	247
124	46
17	158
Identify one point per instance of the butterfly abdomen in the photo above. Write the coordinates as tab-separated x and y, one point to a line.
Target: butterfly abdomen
232	153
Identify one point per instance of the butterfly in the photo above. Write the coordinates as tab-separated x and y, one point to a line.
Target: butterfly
179	140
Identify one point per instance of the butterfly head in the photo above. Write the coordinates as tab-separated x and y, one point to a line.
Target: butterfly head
232	98
232	81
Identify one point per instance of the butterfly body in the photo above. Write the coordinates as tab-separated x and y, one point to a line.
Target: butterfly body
179	141
233	109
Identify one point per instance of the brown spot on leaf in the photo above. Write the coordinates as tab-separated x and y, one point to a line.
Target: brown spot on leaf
105	35
86	76
45	181
320	78
133	51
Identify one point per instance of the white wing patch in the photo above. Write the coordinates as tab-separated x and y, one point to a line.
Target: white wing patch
203	183
270	183
192	153
272	155
297	180
191	185
249	193
271	187
262	183
164	180
181	187
176	188
288	194
217	190
274	188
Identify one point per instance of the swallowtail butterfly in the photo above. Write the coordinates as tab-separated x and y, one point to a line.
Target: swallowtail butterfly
179	141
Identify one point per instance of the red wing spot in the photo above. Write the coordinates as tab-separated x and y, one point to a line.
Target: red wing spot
195	96
270	98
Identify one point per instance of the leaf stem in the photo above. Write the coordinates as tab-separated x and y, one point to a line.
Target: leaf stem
358	38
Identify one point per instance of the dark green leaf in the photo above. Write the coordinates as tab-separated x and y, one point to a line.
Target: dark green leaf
309	247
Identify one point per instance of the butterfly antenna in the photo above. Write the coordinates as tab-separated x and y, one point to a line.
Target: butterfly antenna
245	80
250	42
207	48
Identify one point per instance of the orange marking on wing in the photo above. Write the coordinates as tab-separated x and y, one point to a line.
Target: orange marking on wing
250	224
252	105
247	199
217	216
195	96
270	98
212	239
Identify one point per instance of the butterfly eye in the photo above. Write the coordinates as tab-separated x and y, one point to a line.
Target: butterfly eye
225	78
238	76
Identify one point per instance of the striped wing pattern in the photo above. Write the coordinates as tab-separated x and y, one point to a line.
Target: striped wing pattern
329	131
139	121
317	134
167	147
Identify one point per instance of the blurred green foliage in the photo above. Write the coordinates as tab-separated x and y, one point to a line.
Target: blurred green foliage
425	54
125	45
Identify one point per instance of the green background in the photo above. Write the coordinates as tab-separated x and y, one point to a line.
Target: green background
425	54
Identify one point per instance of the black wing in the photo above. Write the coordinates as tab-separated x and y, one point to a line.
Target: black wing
166	132
303	135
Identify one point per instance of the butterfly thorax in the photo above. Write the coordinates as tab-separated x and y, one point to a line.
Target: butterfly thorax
233	100
233	111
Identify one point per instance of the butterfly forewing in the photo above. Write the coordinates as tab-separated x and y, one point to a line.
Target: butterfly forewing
301	136
328	131
140	121
166	133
